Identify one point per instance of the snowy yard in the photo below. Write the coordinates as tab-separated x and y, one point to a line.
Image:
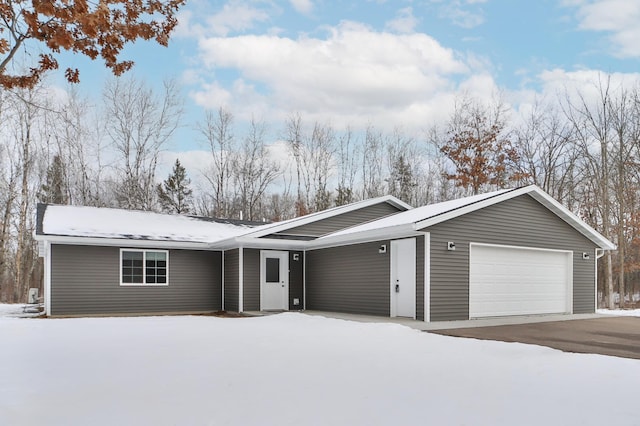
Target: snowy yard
294	369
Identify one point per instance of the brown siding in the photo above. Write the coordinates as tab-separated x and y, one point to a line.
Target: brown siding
521	221
296	280
231	278
352	279
336	223
86	280
251	278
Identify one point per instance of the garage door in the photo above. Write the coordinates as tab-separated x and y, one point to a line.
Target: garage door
506	280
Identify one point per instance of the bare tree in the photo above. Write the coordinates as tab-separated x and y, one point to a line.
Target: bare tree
372	163
217	130
592	125
139	123
253	170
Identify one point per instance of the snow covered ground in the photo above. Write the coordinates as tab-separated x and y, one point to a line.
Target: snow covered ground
621	312
294	369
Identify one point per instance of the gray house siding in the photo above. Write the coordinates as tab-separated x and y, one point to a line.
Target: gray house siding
251	280
296	280
85	280
351	279
231	279
520	221
336	223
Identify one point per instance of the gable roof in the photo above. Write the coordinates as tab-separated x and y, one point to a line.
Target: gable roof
423	217
72	223
324	214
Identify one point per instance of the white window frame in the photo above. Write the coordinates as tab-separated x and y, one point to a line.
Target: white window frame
144	268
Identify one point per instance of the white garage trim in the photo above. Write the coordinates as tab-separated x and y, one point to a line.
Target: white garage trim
505	280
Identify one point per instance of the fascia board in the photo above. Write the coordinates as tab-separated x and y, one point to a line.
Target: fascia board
121	242
537	194
260	243
387	233
565	214
293	223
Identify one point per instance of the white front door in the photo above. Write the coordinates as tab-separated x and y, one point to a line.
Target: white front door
403	278
274	280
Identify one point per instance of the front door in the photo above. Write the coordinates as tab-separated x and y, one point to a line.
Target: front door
274	280
403	278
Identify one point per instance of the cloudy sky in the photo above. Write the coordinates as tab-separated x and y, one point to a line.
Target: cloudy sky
390	63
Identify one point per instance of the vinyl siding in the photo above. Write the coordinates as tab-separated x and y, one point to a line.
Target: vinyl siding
85	280
336	223
351	279
231	279
520	221
251	277
296	280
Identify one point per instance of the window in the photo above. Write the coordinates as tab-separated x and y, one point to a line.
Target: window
143	267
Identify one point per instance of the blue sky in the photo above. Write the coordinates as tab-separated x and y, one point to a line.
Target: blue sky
391	63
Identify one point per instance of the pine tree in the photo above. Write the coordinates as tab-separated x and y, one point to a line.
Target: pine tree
174	193
401	182
54	190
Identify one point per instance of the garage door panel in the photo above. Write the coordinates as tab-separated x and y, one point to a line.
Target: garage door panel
517	281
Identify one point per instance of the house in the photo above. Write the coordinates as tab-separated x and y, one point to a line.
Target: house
509	252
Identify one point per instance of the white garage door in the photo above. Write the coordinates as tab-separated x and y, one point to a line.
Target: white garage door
507	280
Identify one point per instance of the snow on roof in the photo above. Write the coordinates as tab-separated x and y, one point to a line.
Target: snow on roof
323	214
417	214
103	222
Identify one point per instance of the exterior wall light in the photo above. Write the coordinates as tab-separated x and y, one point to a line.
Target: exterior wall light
451	246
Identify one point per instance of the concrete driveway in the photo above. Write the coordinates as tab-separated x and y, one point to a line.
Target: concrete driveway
615	336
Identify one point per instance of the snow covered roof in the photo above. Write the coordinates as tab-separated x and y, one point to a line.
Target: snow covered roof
423	217
100	222
417	214
324	214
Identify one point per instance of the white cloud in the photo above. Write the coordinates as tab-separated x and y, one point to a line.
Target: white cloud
302	6
403	23
619	18
234	16
463	13
353	76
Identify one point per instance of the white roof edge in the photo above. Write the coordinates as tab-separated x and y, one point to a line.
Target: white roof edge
325	214
390	232
258	243
542	197
121	242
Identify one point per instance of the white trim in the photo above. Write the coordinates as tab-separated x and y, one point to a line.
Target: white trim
122	242
304	280
258	243
144	268
595	280
335	211
240	279
222	283
568	254
47	278
427	277
395	232
540	196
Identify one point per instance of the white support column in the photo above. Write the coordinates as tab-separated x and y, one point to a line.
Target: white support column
240	279
47	278
222	282
427	277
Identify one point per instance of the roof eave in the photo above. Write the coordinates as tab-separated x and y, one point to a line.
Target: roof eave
121	242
